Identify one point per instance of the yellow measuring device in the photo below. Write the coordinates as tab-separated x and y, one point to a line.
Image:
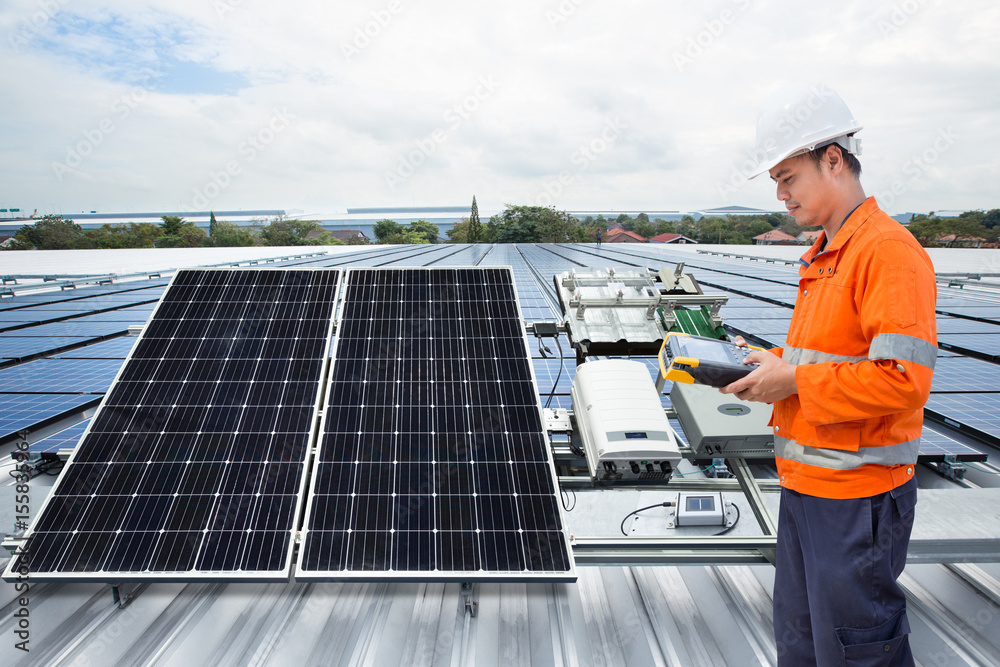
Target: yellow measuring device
700	360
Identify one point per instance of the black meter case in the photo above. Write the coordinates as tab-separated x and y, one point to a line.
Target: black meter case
700	360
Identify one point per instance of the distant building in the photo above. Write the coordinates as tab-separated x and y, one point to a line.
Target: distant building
615	227
345	235
775	237
622	236
730	210
953	241
678	239
809	237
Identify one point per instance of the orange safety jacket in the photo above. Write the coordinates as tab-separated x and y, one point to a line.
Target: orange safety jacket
864	339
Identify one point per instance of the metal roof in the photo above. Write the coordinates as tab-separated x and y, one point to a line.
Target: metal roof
613	615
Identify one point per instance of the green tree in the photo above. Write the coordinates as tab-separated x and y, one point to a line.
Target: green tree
51	232
459	232
426	230
518	232
229	235
642	218
128	235
644	228
385	228
189	235
211	224
926	228
283	232
532	224
475	227
992	218
407	237
171	224
664	227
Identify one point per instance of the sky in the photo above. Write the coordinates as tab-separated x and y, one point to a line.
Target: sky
319	106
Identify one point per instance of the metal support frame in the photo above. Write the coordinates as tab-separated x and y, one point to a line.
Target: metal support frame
469	598
120	601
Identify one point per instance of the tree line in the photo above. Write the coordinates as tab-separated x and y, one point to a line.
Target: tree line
539	224
54	232
930	229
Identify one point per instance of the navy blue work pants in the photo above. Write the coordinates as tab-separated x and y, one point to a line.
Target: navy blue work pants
836	600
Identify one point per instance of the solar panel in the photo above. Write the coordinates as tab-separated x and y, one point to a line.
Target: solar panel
193	467
962	374
59	376
433	463
973	414
936	444
69	328
66	439
23	411
115	348
986	344
25	346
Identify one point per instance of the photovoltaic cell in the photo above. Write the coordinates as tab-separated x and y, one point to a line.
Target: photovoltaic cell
193	467
433	462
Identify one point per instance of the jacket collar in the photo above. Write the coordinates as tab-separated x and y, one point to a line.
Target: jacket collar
854	221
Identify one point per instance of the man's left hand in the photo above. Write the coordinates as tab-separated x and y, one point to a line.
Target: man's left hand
772	380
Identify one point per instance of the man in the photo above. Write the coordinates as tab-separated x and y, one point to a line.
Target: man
598	238
848	391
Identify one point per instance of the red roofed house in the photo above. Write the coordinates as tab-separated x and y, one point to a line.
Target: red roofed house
671	238
622	236
775	237
809	237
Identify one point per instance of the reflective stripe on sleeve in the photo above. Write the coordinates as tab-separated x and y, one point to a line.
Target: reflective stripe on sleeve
799	356
901	346
890	455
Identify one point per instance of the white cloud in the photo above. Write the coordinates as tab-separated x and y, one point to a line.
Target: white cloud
365	83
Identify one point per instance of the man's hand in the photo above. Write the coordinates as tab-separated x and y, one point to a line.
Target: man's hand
772	380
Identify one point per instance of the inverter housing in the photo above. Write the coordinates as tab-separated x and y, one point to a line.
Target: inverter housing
625	432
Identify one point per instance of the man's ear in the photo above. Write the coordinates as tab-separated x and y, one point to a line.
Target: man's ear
834	159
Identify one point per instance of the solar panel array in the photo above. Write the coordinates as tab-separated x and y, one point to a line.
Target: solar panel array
194	464
756	290
433	462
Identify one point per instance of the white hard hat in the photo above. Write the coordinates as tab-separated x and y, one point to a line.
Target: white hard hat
799	118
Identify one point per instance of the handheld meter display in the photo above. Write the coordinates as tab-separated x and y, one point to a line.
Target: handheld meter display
696	359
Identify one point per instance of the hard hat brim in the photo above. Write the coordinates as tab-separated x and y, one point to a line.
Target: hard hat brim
771	164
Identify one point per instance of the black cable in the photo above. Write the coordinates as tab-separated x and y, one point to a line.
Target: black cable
562	493
642	509
555	384
723	532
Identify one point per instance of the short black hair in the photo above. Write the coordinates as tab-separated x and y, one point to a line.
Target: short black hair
850	160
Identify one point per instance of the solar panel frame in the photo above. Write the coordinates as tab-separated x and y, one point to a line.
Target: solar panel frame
281	575
302	574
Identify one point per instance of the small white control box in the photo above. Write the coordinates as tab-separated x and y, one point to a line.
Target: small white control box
700	509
